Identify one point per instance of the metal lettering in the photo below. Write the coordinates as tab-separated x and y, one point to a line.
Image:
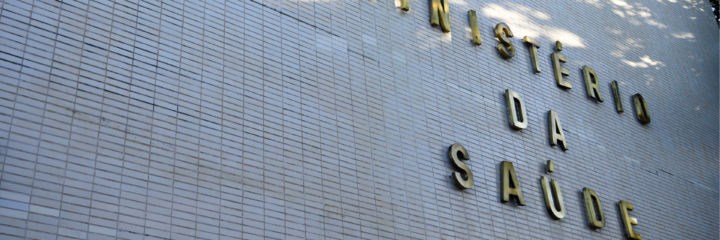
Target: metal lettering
550	166
457	153
592	84
558	70
510	184
554	202
472	17
405	5
556	132
515	105
533	46
618	99
440	14
503	33
627	220
596	217
641	109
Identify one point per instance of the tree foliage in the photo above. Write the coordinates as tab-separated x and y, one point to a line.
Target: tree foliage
716	9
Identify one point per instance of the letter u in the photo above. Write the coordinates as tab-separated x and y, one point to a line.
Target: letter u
554	203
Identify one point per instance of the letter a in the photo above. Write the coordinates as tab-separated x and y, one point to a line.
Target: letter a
510	184
556	132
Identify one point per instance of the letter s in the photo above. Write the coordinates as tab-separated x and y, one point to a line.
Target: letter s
506	48
457	153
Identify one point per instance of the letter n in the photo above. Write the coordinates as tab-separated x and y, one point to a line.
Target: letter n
440	14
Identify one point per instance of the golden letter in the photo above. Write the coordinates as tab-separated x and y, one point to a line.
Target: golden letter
506	48
440	14
553	205
533	45
618	99
596	217
549	166
457	152
405	5
556	132
510	184
641	109
559	70
515	105
474	27
592	83
627	220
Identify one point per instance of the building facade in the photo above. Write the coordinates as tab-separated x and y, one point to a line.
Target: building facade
333	119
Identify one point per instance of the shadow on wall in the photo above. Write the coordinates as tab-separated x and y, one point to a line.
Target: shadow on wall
519	20
629	47
529	22
637	14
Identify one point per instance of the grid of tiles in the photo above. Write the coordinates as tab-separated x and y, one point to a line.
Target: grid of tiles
331	119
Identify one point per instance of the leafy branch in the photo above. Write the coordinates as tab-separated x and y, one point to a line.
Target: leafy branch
716	9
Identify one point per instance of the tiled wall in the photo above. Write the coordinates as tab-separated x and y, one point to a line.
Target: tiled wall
332	119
